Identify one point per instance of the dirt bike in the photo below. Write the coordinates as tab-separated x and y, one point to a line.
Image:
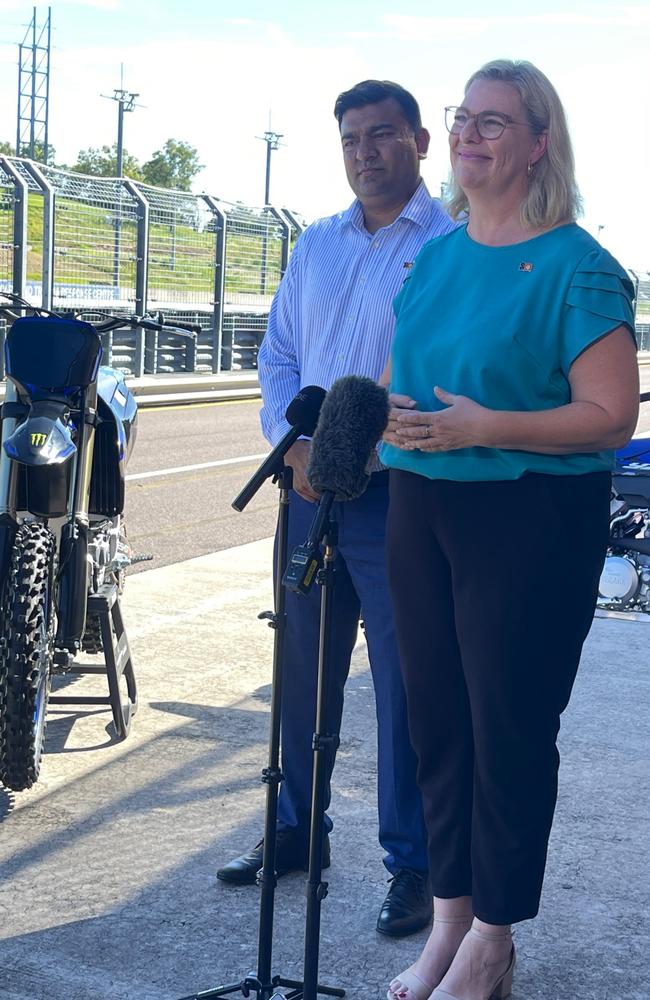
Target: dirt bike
624	589
68	429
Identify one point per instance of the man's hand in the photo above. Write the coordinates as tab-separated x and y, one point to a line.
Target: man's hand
297	457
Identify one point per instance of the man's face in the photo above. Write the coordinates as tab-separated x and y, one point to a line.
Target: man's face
381	152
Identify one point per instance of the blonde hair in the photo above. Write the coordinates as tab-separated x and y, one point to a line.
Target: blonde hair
553	195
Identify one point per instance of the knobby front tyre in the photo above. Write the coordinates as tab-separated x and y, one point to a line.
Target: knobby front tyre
26	651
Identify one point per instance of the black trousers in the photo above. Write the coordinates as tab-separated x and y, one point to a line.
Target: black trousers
494	588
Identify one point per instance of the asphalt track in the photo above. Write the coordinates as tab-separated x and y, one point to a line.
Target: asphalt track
188	464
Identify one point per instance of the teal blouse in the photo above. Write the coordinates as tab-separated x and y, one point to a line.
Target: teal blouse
503	325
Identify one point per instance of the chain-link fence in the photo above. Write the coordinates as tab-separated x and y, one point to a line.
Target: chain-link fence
98	244
101	244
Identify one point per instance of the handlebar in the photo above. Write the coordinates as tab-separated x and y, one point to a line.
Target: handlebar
155	322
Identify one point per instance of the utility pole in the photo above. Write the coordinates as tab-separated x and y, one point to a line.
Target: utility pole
125	102
272	140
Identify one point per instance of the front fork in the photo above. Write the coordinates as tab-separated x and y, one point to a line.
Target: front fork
73	574
74	569
8	488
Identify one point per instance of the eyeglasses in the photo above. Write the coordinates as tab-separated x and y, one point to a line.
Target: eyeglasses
489	124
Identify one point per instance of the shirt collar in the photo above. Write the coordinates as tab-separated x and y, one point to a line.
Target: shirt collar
417	210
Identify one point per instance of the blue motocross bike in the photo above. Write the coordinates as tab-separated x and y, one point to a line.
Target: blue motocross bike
68	428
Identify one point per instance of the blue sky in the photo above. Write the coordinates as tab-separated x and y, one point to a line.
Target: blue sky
210	73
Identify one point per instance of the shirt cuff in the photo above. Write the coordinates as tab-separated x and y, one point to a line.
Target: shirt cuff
279	431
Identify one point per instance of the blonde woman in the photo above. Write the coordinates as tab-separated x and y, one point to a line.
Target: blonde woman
514	376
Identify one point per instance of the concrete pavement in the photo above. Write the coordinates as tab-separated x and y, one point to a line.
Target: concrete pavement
107	887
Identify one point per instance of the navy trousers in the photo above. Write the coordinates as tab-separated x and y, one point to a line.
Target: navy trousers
494	587
361	586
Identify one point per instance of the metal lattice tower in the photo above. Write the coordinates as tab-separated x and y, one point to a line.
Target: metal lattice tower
34	90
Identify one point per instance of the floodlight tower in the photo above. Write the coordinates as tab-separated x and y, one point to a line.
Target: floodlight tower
34	89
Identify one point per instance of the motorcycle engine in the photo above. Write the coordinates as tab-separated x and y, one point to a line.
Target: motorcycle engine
108	552
625	580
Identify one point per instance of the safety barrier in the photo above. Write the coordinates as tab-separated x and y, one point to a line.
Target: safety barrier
94	245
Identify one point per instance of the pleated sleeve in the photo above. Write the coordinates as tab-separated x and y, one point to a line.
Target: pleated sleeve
600	298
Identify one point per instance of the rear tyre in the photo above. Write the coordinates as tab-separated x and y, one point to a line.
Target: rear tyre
26	650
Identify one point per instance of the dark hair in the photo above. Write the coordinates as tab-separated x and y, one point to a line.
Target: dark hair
374	91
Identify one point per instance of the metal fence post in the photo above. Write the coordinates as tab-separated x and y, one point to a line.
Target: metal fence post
19	257
48	232
142	249
286	237
141	272
294	221
219	282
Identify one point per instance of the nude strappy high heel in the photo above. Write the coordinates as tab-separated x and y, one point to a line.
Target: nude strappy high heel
410	986
503	986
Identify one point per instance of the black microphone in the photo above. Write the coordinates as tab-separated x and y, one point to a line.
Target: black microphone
302	413
352	420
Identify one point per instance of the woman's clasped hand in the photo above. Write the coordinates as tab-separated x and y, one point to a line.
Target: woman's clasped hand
460	424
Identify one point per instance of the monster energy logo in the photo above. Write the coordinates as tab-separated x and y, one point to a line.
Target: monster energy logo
38	440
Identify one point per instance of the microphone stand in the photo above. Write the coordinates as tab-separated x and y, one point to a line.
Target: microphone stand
324	746
305	567
263	985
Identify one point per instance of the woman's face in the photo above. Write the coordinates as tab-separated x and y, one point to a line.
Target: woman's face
498	167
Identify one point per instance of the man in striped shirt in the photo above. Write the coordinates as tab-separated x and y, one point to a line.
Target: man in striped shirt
332	316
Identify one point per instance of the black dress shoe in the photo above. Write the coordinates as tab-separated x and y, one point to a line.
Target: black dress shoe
291	854
408	907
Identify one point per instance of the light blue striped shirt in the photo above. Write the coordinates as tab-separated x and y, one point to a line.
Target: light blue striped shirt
333	312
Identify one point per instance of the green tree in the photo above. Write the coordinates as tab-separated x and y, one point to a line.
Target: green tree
39	152
103	163
8	149
174	166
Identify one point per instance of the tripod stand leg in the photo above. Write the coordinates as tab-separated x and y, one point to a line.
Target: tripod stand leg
298	992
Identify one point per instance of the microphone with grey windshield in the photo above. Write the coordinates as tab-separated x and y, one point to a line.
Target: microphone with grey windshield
352	420
302	413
